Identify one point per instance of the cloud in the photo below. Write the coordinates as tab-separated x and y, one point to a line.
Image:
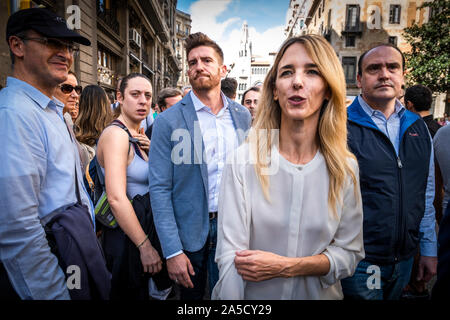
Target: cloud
204	15
268	41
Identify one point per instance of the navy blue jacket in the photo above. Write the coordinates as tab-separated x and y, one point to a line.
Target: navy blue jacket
75	243
392	187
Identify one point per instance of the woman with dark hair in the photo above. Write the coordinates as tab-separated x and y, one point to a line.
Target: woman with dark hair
94	115
290	210
122	153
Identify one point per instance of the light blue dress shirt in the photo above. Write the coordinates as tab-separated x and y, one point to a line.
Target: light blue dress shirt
391	128
37	180
219	138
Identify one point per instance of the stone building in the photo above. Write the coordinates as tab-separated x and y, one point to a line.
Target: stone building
354	26
296	17
126	36
183	28
249	70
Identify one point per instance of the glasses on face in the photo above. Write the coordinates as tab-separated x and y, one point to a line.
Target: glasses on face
68	88
55	44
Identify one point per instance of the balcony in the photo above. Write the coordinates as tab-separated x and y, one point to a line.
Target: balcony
105	75
154	11
109	19
352	28
181	33
145	57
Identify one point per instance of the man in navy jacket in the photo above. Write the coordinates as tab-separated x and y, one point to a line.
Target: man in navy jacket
394	153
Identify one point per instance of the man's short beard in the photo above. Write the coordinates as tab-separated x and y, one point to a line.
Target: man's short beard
203	87
197	86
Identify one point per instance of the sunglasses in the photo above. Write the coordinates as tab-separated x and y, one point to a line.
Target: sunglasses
55	44
68	88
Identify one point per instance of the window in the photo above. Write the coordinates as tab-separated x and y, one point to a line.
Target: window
434	11
349	66
394	14
329	19
352	15
107	12
393	40
350	41
104	59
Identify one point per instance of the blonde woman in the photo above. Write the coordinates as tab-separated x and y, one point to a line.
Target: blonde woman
290	211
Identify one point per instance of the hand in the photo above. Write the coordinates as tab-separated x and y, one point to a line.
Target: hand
179	269
74	112
143	140
151	262
256	265
427	268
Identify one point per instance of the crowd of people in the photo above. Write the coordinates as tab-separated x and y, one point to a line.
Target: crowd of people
187	194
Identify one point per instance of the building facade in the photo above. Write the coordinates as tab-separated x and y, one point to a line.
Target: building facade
126	36
249	70
354	26
296	17
183	28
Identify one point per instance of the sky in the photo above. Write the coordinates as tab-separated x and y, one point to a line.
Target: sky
222	21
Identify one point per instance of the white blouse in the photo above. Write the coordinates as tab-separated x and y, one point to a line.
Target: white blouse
295	223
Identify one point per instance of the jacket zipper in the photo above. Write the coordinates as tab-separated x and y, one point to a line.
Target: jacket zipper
399	234
398	217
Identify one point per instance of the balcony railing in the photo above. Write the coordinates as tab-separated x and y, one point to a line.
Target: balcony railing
109	19
105	75
353	28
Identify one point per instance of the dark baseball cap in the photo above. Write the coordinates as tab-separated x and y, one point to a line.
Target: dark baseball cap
43	21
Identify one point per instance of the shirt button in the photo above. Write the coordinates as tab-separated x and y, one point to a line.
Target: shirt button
299	168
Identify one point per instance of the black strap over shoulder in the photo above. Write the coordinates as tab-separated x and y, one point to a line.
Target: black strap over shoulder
131	139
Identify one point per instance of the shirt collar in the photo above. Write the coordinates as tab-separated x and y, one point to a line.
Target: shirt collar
198	105
41	99
399	108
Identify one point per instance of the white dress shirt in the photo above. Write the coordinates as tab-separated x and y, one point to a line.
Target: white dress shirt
296	222
219	138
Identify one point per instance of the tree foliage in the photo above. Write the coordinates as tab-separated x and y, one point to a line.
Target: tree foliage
428	62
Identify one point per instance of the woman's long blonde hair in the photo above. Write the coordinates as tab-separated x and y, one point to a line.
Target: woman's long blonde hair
332	128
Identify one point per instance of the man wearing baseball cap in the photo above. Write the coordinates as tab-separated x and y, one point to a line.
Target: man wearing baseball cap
41	186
